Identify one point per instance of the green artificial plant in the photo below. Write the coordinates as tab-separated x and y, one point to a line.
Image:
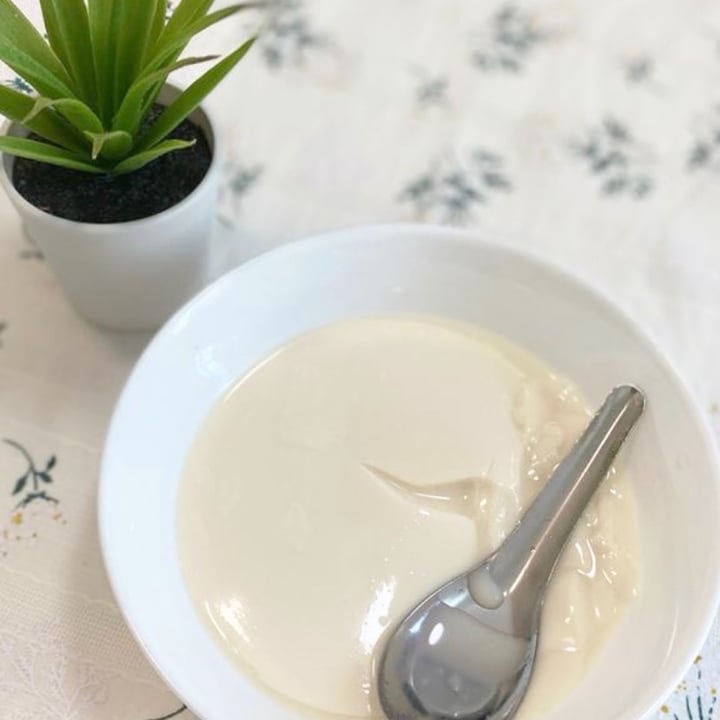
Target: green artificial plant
97	75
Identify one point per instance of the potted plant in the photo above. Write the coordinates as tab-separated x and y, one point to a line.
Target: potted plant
114	172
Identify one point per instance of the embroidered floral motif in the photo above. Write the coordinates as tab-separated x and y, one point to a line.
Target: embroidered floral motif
42	677
238	181
17	83
705	152
452	189
614	156
29	486
174	714
431	90
699	702
638	70
289	35
509	41
45	682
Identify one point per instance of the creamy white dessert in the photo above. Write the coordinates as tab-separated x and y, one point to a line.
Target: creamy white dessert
358	468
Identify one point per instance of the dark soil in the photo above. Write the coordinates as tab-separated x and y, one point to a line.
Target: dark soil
89	198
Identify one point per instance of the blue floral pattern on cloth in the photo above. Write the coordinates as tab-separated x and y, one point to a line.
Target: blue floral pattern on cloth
452	189
611	153
509	41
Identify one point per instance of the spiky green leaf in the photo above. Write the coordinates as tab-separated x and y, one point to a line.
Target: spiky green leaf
131	112
68	30
100	13
40	104
135	162
16	106
188	100
113	145
77	113
26	52
99	73
186	12
156	29
34	150
132	25
172	44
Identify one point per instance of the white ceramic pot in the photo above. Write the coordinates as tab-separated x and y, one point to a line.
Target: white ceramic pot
132	275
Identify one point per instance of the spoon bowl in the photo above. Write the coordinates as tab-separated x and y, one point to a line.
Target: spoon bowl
468	650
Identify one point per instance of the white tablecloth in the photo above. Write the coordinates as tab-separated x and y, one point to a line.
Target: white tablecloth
587	131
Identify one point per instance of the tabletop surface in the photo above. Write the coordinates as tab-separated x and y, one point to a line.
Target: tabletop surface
587	132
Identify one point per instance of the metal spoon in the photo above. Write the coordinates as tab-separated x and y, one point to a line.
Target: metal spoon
467	651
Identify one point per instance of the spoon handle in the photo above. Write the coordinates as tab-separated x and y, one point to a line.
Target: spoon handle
525	561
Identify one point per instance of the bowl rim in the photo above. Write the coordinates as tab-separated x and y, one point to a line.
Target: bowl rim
469	238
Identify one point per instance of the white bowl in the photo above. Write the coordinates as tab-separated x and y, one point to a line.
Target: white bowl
248	313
